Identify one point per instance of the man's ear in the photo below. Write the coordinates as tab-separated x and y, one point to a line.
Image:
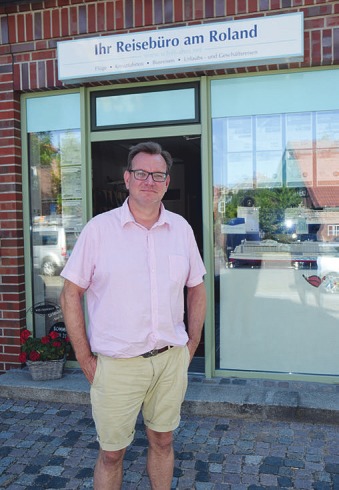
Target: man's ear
127	176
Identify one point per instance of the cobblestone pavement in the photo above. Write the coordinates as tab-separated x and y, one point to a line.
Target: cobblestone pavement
52	445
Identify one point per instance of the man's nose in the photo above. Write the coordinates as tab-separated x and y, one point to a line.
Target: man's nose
149	179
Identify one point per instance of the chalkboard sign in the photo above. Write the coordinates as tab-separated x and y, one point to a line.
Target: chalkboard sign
60	328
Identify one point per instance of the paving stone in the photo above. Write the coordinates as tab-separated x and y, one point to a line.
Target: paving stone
53	445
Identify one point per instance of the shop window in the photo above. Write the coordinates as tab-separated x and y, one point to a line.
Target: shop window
54	157
156	106
276	209
333	230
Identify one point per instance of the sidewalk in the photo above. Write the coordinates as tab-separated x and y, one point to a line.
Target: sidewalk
235	434
225	397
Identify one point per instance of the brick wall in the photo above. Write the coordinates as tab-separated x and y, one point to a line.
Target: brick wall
28	36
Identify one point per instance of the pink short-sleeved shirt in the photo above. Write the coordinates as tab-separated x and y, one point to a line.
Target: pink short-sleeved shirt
134	280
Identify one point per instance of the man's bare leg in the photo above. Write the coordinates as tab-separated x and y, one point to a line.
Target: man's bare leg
160	459
109	470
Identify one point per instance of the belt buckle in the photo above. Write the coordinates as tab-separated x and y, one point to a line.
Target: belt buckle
150	353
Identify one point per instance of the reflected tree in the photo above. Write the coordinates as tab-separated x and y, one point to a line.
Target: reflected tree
272	204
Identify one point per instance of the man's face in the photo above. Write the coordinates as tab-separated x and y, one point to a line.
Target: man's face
146	192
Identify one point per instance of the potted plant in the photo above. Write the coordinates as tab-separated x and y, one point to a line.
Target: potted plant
45	356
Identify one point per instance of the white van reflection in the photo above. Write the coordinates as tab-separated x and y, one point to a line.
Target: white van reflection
51	248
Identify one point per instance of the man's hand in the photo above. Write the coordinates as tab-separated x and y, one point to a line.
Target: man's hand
89	367
196	311
192	347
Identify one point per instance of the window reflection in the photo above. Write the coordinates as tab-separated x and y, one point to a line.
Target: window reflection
276	236
281	193
56	216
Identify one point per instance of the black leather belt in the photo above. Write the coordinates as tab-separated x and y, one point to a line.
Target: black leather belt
155	352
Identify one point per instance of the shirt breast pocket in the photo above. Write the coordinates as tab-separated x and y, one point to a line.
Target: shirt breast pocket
178	268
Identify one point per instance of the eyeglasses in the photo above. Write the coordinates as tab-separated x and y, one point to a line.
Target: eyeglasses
143	175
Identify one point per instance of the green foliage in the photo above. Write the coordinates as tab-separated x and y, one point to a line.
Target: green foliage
43	148
49	348
271	203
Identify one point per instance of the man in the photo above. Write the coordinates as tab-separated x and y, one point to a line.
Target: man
134	263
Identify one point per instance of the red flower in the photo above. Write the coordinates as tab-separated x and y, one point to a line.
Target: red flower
34	356
47	348
25	334
23	357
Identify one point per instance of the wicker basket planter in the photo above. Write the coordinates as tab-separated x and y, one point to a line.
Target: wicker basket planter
46	370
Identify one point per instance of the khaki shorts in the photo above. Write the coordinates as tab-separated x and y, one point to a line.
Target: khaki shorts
121	387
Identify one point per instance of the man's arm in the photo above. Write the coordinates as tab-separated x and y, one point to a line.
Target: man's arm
70	301
196	311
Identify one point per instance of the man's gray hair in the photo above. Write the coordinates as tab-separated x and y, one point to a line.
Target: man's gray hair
151	148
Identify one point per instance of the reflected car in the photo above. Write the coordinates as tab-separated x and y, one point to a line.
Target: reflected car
51	248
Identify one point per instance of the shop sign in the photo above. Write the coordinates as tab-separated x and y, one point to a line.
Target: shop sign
249	42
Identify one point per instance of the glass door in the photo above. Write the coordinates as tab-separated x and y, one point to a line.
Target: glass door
109	160
56	200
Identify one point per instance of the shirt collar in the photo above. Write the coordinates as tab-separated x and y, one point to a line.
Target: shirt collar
127	216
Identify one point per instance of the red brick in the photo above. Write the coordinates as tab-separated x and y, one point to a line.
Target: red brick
5	49
29	27
241	7
110	16
332	21
56	23
44	55
10	341
8	358
65	22
91	18
6	84
5	59
316	47
14	297
13	270
9	306
275	5
20	48
12	349
12	29
40	45
7	115
16	77
10	328
16	261
73	20
5	106
6	315
37	6
188	10
138	13
33	76
46	22
21	28
101	16
307	49
119	14
148	11
252	5
18	58
199	9
50	73
317	23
